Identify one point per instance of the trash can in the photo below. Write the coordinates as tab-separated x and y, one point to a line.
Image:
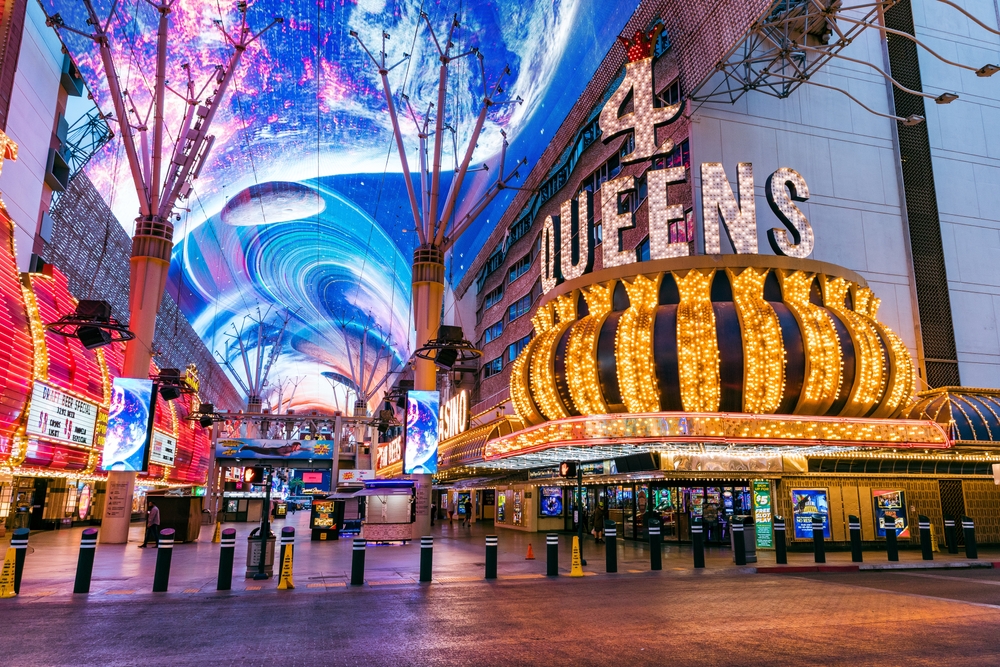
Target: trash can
253	554
749	537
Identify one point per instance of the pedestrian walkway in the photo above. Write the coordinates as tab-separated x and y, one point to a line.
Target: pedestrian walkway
459	556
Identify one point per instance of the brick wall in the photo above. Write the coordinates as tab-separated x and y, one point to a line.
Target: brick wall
92	249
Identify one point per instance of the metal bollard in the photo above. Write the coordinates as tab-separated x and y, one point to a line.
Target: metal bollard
164	553
655	548
19	541
854	524
610	546
739	543
780	548
891	543
819	546
925	537
949	534
552	557
426	557
698	542
358	562
492	542
969	528
85	565
226	556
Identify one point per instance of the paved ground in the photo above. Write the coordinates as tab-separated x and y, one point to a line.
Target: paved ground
878	618
680	616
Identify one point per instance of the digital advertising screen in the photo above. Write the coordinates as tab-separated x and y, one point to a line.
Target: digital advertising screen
421	444
258	449
551	501
807	503
463	497
890	510
501	507
130	425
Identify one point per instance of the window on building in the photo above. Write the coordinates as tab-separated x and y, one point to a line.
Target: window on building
493	297
670	95
642	251
519	268
519	229
607	170
598	234
516	347
679	157
519	308
492	367
493	332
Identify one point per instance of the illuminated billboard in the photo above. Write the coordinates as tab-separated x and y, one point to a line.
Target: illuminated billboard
421	448
57	415
130	425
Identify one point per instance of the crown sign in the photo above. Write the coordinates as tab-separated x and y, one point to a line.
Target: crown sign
642	44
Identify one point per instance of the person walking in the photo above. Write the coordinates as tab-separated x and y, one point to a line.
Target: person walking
598	518
152	526
468	512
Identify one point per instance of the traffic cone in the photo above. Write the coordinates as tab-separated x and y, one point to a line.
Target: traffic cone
575	569
7	575
217	535
531	554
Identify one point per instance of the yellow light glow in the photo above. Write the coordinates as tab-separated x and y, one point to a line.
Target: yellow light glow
824	358
634	346
763	348
870	373
581	357
697	345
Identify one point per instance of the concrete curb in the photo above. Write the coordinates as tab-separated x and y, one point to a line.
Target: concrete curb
874	567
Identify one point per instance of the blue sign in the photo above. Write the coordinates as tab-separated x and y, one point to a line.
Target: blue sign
806	504
421	445
551	503
130	425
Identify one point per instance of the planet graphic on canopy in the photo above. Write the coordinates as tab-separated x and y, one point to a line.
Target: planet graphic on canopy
128	425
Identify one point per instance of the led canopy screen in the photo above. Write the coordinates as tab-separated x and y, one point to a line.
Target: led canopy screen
130	425
420	453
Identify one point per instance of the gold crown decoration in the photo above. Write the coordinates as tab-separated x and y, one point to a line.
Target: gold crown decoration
642	44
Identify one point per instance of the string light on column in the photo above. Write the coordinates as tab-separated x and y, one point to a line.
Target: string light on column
870	373
542	374
634	347
763	348
900	383
697	345
581	358
824	358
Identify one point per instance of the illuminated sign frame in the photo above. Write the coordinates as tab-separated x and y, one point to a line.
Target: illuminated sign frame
66	418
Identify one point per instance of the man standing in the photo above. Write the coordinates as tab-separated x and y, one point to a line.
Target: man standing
152	526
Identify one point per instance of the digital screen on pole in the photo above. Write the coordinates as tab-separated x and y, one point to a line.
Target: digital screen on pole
551	502
420	451
130	425
806	504
890	510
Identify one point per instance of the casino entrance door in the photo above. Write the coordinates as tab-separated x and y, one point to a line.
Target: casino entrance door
678	503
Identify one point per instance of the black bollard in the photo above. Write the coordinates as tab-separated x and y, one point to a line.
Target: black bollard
552	557
655	550
85	565
854	523
891	544
969	528
819	546
698	542
780	548
739	543
226	556
426	557
492	542
926	547
358	562
610	546
19	541
949	534
164	553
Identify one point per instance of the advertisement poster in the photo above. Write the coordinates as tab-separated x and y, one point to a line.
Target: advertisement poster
518	509
246	448
890	509
164	449
807	503
501	507
463	497
56	415
130	425
489	497
551	501
323	516
762	513
421	444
